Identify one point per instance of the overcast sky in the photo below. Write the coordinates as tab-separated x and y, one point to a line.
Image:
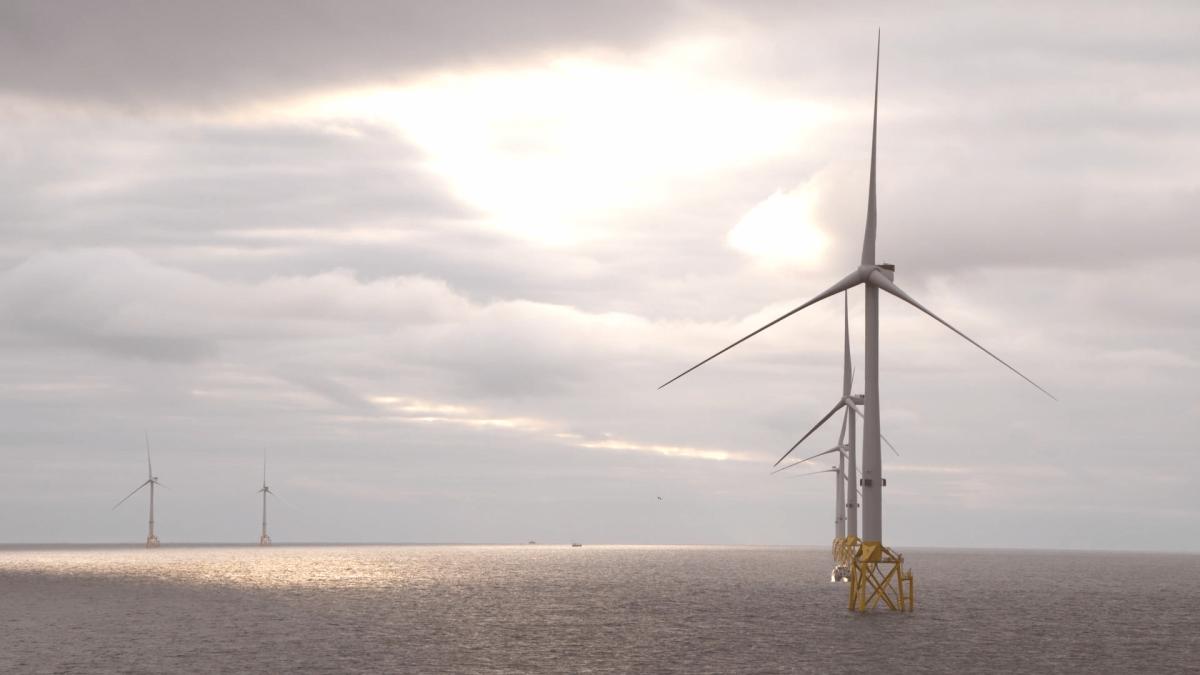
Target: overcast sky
434	259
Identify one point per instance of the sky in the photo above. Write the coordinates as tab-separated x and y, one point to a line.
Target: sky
433	259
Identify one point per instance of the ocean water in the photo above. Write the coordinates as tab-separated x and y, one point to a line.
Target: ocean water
595	609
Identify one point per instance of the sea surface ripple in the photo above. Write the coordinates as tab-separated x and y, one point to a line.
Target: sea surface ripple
594	609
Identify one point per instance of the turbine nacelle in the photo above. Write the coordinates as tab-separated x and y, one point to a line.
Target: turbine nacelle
863	273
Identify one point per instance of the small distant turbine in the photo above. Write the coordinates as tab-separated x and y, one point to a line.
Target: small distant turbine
152	481
264	540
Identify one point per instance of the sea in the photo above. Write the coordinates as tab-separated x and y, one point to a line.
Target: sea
589	609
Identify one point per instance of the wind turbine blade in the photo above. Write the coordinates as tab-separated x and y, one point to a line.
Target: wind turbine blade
785	468
877	279
809	459
889	444
850	281
135	491
868	252
149	469
264	468
810	432
813	473
847	369
284	501
842	435
881	436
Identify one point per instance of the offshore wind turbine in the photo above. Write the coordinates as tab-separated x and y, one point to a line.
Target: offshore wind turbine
152	481
264	540
877	573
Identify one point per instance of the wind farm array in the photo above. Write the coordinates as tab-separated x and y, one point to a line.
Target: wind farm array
152	482
505	337
876	573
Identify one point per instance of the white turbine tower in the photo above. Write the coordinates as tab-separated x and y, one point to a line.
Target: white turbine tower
846	543
878	576
264	540
152	481
851	473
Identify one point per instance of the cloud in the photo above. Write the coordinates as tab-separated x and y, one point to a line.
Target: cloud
137	55
112	299
184	247
780	229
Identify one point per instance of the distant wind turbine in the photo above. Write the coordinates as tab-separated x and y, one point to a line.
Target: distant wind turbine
152	481
264	540
877	568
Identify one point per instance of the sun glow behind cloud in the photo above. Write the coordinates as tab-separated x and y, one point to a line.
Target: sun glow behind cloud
560	151
781	229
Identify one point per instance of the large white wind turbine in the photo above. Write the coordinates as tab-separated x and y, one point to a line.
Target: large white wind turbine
873	277
264	540
152	481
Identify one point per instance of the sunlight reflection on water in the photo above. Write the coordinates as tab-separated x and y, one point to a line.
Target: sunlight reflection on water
590	609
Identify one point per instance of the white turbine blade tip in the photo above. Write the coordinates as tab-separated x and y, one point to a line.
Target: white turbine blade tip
880	281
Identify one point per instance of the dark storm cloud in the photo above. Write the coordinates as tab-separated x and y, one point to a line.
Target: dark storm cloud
135	53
